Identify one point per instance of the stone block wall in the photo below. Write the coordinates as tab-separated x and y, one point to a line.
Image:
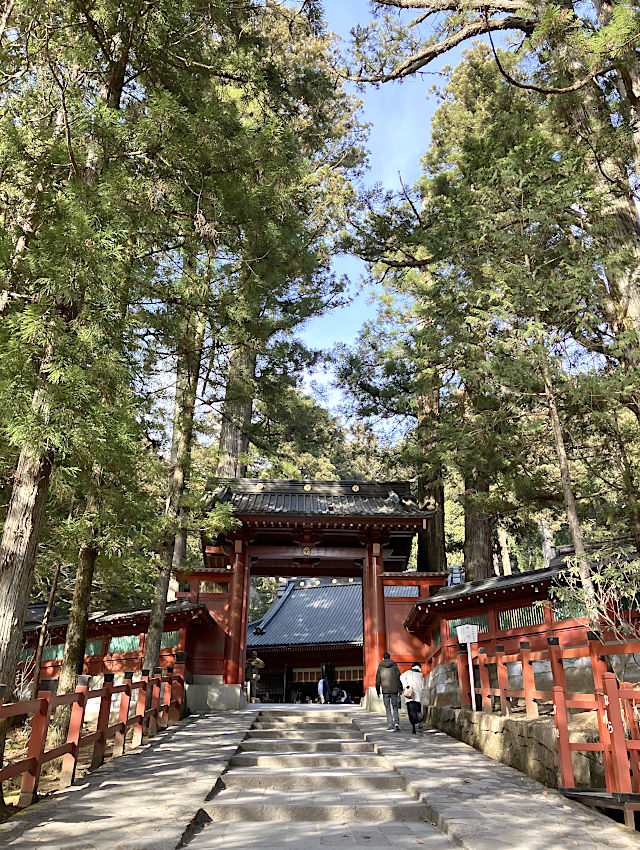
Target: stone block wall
529	746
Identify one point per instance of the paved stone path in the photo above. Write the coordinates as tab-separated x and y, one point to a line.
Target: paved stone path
145	800
307	777
481	804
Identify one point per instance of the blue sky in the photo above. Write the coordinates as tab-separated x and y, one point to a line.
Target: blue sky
400	116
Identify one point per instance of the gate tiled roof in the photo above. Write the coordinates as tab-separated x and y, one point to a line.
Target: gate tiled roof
321	498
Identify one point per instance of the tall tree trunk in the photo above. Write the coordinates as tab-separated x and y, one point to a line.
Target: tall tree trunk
548	546
18	545
20	536
570	502
432	555
478	544
187	376
42	635
236	411
505	560
75	642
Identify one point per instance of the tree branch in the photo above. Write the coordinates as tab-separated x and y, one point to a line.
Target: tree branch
544	89
424	57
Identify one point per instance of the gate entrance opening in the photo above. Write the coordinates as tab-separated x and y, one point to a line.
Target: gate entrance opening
317	529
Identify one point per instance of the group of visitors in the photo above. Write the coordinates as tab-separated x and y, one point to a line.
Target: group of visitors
326	694
392	684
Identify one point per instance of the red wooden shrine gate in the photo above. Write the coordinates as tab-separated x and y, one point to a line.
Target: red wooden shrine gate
314	529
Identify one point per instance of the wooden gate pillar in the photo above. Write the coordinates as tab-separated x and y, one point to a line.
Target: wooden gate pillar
375	632
233	674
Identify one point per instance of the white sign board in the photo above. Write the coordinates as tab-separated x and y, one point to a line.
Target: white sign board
467	633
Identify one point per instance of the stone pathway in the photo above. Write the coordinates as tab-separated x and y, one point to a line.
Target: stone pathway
307	777
481	804
148	799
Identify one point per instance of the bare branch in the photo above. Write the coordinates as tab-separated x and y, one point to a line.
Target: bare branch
409	200
424	57
580	84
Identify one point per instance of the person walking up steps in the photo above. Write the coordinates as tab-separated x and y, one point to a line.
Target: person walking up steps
412	684
388	681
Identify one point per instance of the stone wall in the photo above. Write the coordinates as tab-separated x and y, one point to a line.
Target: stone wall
530	746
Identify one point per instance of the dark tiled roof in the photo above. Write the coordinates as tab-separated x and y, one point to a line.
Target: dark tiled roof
470	588
321	498
103	617
311	615
462	593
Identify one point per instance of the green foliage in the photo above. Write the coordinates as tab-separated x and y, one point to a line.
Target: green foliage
494	273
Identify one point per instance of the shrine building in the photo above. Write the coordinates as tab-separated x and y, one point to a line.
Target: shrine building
309	531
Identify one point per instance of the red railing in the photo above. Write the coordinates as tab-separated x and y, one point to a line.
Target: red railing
165	709
617	705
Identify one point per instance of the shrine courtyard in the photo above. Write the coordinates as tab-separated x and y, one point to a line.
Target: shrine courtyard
305	777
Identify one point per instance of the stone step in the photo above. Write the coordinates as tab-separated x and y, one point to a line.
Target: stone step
310	727
306	734
305	717
297	777
282	745
308	805
307	760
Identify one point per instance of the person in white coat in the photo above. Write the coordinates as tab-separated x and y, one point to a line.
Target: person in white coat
412	683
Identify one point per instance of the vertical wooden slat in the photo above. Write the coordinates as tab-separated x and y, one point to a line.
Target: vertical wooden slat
138	728
123	714
528	679
503	681
562	734
483	668
103	722
618	740
70	760
35	750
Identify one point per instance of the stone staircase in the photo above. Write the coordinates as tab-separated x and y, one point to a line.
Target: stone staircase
314	769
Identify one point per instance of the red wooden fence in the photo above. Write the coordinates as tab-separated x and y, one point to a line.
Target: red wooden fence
617	707
166	708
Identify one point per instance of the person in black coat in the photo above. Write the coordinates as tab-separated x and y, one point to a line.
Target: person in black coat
388	681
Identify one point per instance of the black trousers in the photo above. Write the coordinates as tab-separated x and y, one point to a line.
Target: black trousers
414	709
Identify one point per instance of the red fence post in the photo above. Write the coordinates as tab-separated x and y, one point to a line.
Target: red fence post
616	730
178	688
528	679
155	702
562	734
70	760
165	696
557	667
599	668
123	715
35	750
463	678
503	681
103	722
138	728
483	668
632	725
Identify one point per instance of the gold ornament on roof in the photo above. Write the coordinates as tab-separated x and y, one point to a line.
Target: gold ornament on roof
307	487
356	488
